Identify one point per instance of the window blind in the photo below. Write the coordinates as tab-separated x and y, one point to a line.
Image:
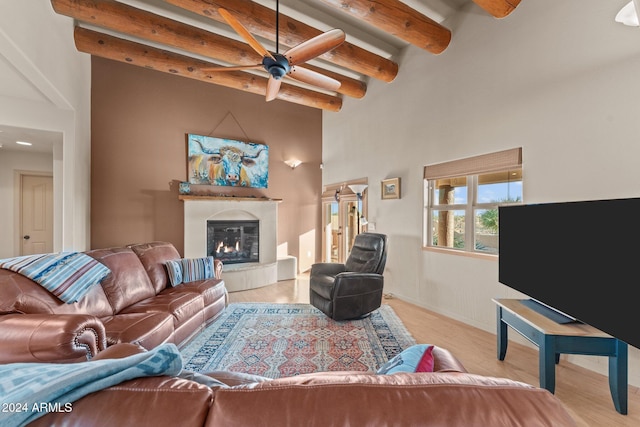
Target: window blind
485	163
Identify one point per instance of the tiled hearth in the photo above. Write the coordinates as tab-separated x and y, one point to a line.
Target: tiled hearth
200	209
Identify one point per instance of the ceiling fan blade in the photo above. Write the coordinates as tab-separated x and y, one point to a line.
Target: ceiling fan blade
235	68
315	46
273	86
313	78
244	33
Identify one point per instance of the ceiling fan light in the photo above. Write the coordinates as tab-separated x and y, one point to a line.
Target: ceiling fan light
628	15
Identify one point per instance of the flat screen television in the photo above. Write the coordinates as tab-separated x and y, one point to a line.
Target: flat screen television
581	258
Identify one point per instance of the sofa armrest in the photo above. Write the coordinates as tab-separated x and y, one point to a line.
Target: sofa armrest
50	337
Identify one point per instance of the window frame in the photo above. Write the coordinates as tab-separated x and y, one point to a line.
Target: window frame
475	167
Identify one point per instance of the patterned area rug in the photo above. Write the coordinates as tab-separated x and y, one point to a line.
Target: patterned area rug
283	340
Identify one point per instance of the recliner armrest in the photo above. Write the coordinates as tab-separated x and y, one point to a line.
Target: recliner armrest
50	337
327	268
352	283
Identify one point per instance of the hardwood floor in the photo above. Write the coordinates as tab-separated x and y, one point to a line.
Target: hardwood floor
585	393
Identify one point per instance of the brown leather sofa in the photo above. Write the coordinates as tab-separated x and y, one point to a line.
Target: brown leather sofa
447	397
133	304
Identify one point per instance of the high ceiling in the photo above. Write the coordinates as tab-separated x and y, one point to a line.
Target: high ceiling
190	37
184	37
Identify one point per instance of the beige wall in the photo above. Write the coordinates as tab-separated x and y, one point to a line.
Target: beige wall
139	121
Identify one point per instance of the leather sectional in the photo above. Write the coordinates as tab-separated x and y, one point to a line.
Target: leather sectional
133	304
135	308
447	397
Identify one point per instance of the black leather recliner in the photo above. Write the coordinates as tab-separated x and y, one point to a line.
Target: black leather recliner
353	289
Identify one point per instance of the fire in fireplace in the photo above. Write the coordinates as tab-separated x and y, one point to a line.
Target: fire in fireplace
233	242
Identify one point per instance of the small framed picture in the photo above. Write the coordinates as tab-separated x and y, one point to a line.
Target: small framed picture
390	188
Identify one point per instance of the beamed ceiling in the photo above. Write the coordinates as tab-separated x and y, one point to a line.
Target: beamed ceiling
189	37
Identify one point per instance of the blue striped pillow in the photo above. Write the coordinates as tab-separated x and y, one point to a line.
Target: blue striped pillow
67	275
197	269
174	271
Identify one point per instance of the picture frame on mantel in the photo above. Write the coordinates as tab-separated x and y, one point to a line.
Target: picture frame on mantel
390	188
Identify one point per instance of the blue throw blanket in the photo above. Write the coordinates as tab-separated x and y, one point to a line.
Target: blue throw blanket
67	275
30	390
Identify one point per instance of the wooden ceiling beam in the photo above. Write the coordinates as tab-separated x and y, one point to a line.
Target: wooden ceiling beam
260	21
398	19
128	20
498	8
114	48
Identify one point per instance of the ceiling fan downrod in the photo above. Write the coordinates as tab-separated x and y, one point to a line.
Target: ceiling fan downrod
277	26
278	66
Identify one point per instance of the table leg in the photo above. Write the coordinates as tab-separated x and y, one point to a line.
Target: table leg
547	357
503	339
618	377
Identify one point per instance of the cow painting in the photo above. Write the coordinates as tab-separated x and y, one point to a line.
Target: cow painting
226	162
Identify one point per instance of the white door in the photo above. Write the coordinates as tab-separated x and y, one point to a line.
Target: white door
36	214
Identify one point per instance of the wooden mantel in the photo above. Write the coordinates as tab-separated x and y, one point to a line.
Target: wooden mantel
184	197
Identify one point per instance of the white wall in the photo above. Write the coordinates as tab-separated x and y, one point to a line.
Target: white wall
37	51
559	78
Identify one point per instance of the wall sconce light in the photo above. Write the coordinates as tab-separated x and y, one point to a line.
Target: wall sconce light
628	15
293	163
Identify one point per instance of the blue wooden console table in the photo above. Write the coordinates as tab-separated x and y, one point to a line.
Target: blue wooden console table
553	339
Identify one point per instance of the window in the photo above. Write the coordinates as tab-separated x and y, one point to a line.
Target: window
462	199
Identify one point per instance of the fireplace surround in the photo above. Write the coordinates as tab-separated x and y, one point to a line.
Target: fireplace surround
200	210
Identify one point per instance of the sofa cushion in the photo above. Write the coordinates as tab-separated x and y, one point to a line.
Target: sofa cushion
417	358
128	282
148	330
153	256
210	289
182	306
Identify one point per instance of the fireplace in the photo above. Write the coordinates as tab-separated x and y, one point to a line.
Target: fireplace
262	270
233	242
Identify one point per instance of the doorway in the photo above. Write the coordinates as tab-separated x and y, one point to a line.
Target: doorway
36	214
342	215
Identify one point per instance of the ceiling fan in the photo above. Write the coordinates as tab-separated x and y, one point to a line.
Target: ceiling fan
279	65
